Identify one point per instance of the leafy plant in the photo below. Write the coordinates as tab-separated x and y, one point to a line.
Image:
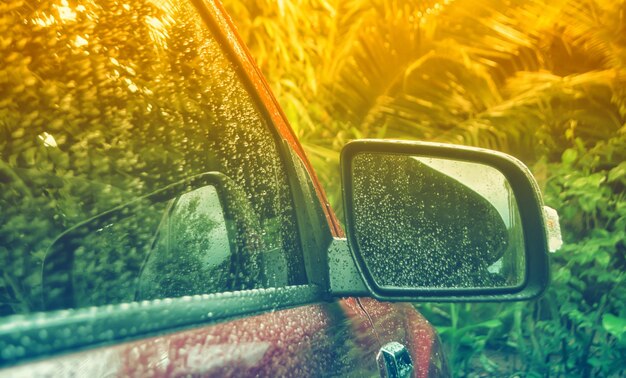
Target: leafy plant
578	322
542	80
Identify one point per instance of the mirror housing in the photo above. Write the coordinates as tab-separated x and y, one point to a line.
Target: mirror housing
381	247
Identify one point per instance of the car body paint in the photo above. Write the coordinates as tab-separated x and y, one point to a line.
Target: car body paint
302	342
401	322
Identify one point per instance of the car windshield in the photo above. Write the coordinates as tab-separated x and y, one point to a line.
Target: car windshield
104	103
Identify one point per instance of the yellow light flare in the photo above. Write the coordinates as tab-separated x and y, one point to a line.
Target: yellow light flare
66	13
48	139
80	41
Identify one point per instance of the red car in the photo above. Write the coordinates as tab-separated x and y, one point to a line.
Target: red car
159	217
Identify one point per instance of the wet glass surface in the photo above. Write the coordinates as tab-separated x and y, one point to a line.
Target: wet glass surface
425	222
103	102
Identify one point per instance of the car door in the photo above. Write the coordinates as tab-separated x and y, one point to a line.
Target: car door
155	222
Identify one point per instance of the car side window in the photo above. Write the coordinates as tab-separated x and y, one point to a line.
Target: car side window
134	163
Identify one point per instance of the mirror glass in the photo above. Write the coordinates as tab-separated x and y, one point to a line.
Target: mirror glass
190	253
424	222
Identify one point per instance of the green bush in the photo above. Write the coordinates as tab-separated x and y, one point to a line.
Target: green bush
541	80
580	323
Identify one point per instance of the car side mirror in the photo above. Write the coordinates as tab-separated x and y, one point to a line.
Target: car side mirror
206	215
439	222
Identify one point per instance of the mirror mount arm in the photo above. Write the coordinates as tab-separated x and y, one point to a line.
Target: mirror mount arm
345	280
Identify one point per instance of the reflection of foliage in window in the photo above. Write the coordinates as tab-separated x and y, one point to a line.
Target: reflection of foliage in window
102	101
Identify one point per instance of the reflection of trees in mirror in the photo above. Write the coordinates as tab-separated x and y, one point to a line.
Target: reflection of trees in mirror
200	249
191	253
491	184
418	227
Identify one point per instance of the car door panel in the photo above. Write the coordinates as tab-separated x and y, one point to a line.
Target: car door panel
322	339
402	323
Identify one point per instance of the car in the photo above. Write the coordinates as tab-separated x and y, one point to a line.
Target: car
160	218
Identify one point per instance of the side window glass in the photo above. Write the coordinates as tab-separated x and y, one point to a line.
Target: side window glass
111	110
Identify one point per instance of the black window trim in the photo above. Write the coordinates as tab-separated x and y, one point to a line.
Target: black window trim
61	332
300	185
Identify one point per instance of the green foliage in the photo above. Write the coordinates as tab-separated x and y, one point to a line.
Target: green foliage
578	321
542	80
